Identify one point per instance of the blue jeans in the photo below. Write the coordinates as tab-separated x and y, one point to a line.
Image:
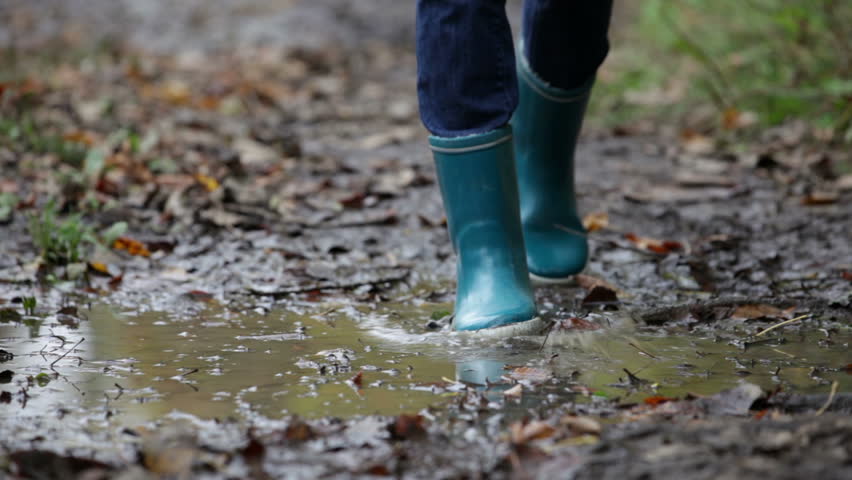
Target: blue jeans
466	80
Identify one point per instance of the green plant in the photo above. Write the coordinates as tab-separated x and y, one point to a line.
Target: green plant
29	305
781	59
60	243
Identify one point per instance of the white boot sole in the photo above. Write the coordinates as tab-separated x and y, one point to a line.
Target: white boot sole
537	280
532	327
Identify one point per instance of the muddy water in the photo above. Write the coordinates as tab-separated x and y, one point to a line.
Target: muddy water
215	363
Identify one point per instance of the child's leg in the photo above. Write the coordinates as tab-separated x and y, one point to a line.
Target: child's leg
565	41
466	66
468	91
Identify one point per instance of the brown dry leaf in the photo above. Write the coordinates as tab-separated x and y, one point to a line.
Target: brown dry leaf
819	198
209	183
133	247
696	143
600	295
658	400
733	119
85	138
761	310
522	433
589	282
299	431
407	426
530	374
596	221
581	425
654	245
100	268
844	183
703	180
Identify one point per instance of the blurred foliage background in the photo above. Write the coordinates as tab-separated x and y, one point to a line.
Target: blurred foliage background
731	64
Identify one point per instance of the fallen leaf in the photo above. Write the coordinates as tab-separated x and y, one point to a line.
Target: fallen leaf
600	296
581	425
589	282
696	143
819	198
100	268
299	431
654	245
522	433
407	426
734	401
358	379
658	400
596	221
133	247
209	183
514	392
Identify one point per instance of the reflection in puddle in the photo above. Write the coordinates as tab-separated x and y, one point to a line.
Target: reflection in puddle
217	364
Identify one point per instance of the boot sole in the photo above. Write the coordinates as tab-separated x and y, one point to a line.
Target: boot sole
535	279
534	326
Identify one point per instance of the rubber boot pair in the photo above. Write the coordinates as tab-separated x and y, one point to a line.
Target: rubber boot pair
512	219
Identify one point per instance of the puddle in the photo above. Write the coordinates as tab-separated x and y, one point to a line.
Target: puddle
137	367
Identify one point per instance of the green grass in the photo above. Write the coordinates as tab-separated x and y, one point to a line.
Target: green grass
780	59
60	242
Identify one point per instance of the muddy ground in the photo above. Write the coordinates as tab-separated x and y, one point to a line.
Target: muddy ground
276	306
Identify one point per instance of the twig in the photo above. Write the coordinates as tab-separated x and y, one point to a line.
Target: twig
641	350
831	395
785	322
66	353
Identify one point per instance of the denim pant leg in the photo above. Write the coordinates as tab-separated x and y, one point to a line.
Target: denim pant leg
565	41
466	79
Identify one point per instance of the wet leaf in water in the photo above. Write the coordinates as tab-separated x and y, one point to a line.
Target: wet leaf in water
358	379
760	310
576	323
734	401
6	376
529	374
5	397
199	296
6	356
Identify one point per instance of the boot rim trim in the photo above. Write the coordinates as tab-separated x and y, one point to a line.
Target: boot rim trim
472	148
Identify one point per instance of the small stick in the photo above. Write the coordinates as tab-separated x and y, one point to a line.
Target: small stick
66	353
785	322
641	351
831	395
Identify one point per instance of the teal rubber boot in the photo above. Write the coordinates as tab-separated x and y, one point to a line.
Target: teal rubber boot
480	192
547	124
